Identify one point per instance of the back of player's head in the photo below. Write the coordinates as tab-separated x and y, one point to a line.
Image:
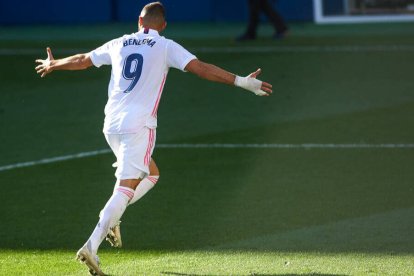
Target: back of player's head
153	15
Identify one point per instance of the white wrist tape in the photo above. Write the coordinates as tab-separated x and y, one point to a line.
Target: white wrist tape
251	84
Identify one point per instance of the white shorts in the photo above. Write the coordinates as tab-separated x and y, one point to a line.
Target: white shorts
133	153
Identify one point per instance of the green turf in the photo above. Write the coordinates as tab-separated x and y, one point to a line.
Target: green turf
219	211
211	263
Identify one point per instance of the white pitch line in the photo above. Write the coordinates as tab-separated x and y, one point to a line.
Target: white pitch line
241	49
287	146
54	159
214	146
38	51
305	49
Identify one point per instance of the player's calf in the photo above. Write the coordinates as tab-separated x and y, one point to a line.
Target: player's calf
144	186
114	234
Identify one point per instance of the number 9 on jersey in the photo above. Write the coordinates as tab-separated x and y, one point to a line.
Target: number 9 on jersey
132	70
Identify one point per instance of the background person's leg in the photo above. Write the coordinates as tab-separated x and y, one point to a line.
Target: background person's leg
254	13
274	17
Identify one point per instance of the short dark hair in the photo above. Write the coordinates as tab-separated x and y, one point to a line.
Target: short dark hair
154	11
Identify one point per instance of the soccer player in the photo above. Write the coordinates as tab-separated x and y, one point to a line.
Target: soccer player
140	63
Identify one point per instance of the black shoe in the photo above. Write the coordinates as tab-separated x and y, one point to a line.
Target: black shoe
245	37
280	35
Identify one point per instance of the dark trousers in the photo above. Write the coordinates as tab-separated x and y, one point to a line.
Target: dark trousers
256	6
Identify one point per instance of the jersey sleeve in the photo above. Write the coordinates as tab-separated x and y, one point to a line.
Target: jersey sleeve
101	56
177	56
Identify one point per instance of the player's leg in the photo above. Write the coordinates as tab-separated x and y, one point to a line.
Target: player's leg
109	217
147	183
114	235
86	254
131	169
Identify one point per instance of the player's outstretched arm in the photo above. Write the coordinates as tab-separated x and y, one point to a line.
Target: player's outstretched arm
214	73
76	62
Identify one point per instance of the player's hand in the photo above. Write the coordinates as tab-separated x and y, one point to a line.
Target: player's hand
251	83
44	66
265	87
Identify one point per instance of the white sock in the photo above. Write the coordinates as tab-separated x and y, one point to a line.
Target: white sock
143	187
110	215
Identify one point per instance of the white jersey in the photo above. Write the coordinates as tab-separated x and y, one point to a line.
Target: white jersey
140	64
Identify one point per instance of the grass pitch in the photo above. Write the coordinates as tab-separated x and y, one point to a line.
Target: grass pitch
238	211
211	263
